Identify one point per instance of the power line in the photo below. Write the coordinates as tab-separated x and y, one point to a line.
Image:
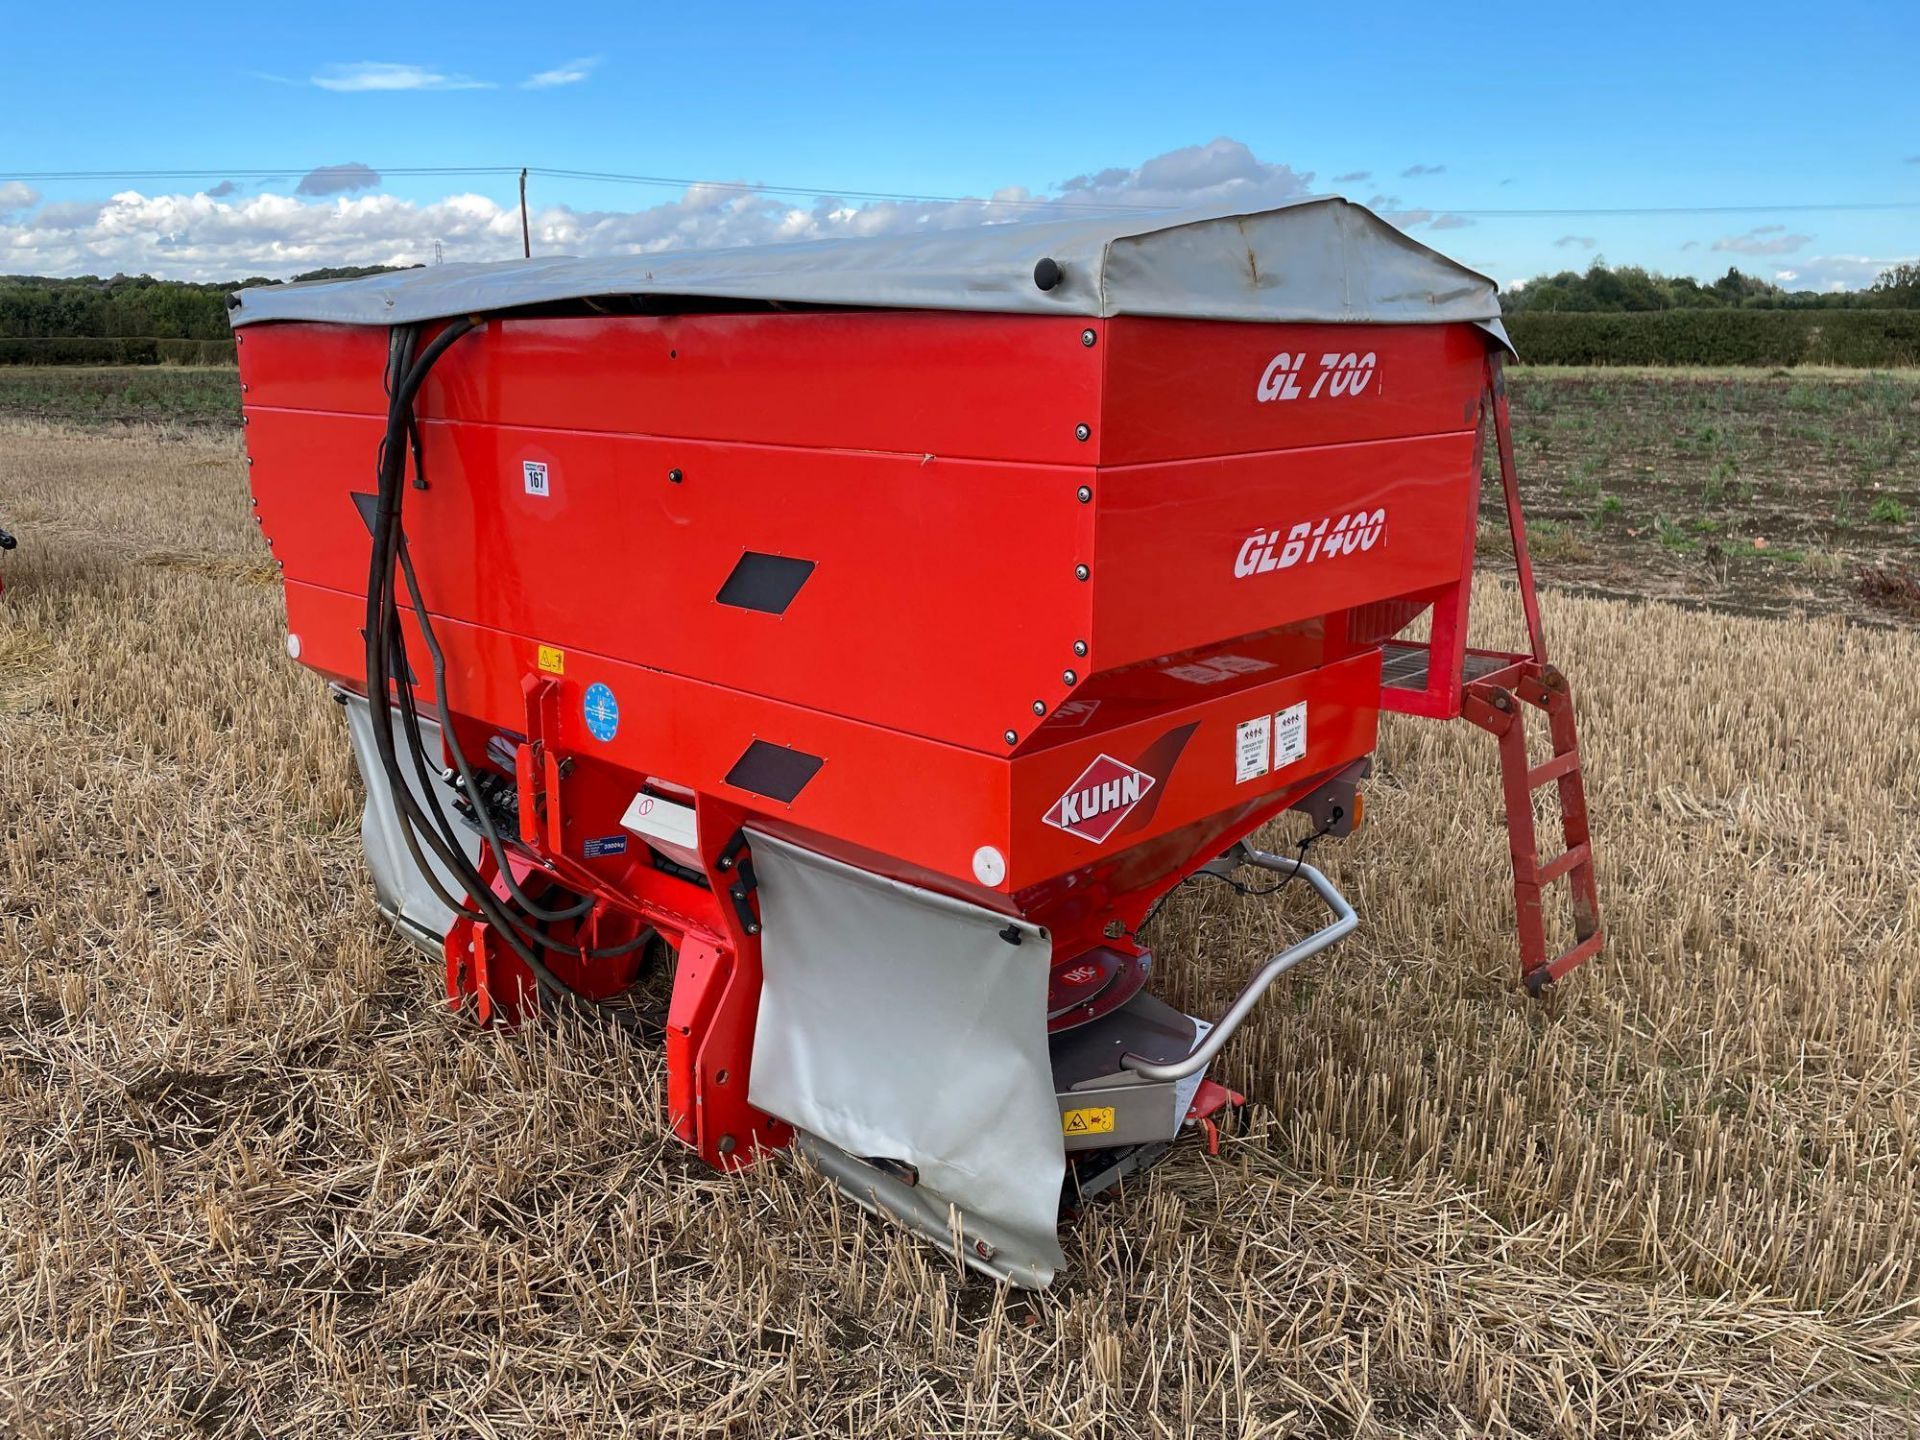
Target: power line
681	182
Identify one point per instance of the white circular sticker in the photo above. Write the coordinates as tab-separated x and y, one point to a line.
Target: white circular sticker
989	865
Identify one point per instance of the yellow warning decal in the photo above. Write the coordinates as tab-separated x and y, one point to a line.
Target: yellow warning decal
1093	1120
553	660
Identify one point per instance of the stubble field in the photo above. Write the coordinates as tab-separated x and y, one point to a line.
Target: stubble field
254	1179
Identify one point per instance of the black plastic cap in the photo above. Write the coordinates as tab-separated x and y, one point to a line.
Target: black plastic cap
1047	273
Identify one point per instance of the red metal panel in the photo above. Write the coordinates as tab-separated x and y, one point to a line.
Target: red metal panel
1189	755
943	599
1189	553
1179	389
926	804
980	386
902	795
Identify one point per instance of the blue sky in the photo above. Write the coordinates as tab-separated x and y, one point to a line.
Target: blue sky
1441	114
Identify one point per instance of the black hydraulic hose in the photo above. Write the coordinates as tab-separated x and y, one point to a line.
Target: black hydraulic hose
403	432
386	645
382	627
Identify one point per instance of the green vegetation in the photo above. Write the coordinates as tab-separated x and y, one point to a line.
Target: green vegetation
1887	511
1758	338
201	396
124	320
1631	316
1603	289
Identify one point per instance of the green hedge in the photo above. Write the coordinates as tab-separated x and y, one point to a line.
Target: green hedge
1718	337
112	350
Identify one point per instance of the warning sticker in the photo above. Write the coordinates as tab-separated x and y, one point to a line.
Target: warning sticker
1250	748
553	660
1091	1120
1200	674
1289	735
534	473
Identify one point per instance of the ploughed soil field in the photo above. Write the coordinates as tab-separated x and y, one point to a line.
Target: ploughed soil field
1763	492
255	1179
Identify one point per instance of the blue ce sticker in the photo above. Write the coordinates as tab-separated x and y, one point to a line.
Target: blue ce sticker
602	712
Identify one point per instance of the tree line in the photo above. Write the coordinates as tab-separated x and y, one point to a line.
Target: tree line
1605	289
129	306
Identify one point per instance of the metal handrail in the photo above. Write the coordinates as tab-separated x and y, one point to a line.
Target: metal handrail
1344	921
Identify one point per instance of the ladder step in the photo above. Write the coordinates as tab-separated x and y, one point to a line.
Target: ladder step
1561	864
1553	769
1538	979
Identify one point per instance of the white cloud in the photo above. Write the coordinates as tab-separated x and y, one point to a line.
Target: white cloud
383	75
1222	170
16	197
573	72
1839	272
1763	240
209	236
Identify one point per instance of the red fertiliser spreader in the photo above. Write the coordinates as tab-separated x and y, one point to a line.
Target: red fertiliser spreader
823	657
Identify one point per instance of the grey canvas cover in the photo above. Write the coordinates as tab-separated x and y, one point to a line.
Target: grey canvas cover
910	1026
1322	260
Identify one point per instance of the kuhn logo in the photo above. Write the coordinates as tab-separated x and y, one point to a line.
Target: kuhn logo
1308	542
1099	800
1337	375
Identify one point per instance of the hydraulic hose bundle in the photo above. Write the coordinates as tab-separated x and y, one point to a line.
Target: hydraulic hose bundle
517	918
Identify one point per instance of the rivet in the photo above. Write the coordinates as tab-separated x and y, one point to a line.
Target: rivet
1081	572
1011	736
1085	493
1067	677
1083	431
726	1145
675	476
1080	647
1039	707
1087	337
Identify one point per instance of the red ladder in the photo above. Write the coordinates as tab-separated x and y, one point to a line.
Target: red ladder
1443	677
1497	708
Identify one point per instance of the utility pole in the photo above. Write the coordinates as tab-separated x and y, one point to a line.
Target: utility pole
526	235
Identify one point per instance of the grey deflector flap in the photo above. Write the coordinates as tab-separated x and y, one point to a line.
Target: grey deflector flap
899	1023
404	893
